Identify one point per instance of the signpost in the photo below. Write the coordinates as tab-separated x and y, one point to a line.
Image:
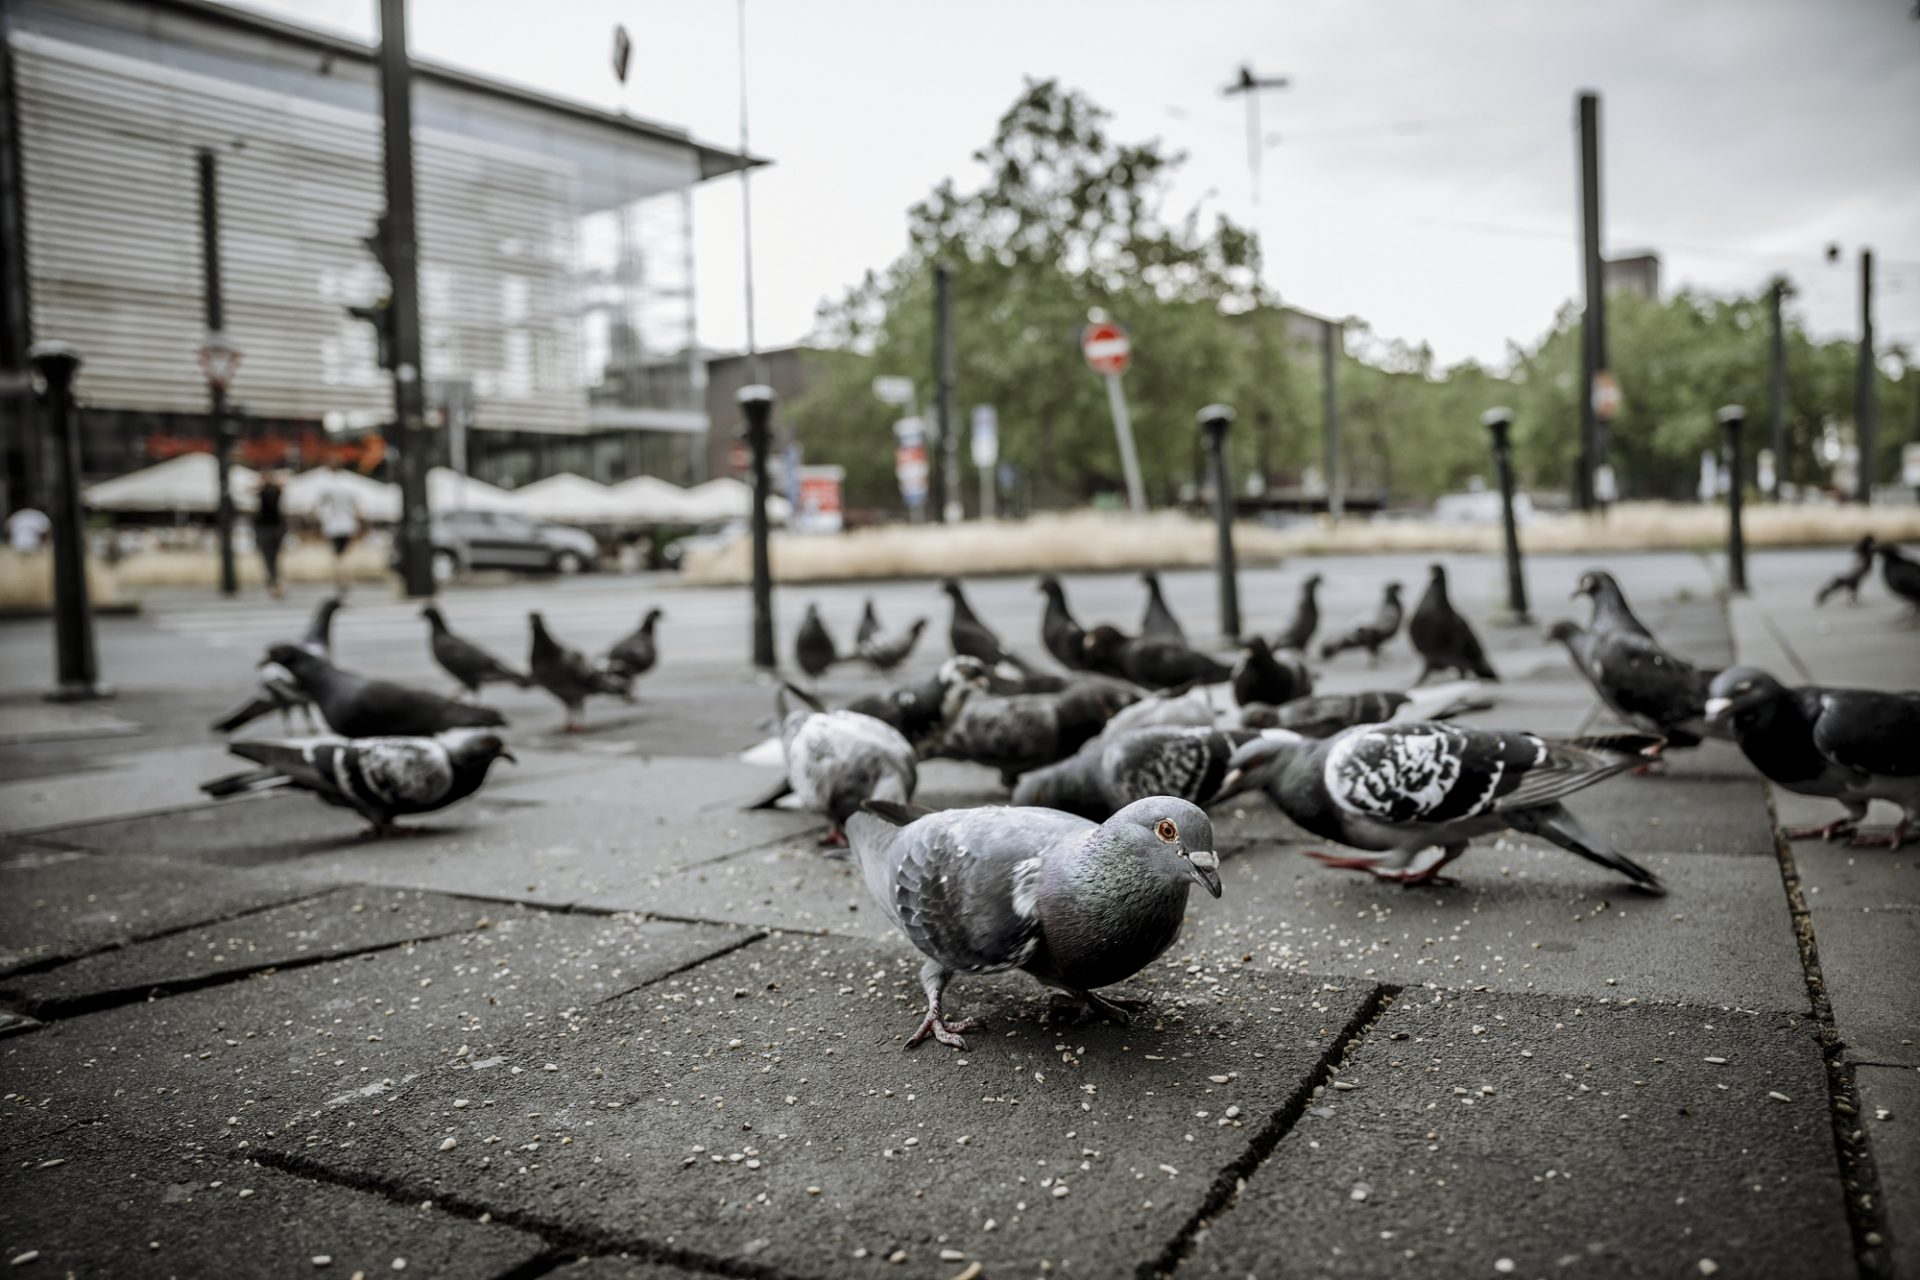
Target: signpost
819	508
1109	352
986	453
910	465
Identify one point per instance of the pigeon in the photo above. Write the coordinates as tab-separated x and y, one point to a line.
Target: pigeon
1025	730
357	707
813	648
1610	609
1154	662
466	661
837	759
1901	575
1850	745
1640	682
1372	634
869	626
1183	704
379	778
1298	633
277	689
1443	639
1058	631
1399	789
1159	620
635	655
1325	714
1114	770
1075	904
1856	573
1265	676
921	711
971	637
568	675
884	652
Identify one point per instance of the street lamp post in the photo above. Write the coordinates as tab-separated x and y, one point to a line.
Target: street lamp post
76	663
1498	422
1732	419
1214	420
757	401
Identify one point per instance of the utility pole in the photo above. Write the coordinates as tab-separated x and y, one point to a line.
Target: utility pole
943	391
76	662
1777	385
1215	419
216	341
755	374
1866	411
1330	344
1250	86
1593	322
397	245
757	403
1732	419
1498	422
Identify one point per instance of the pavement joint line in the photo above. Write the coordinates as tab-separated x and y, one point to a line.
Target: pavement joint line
1228	1183
167	811
1853	1149
51	963
753	936
1780	638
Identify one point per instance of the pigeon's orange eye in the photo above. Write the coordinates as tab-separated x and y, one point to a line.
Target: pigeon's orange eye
1166	830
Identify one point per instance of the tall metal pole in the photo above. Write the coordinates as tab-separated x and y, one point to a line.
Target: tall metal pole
20	431
1593	322
1214	420
216	330
400	256
1732	419
1498	422
755	374
76	666
1129	456
1777	385
1330	369
943	391
1866	413
757	402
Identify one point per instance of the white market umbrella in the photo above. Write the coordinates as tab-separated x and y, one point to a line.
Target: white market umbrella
186	484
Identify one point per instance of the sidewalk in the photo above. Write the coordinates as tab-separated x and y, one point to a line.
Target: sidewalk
603	1012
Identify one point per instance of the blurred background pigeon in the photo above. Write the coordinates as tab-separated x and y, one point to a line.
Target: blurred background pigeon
1062	636
568	675
837	759
1372	633
1850	580
277	690
1262	675
1443	639
972	638
1298	633
466	661
357	707
1158	619
635	654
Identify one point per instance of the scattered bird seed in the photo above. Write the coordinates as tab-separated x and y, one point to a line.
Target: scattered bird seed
449	1144
1709	1267
1778	1096
1503	1265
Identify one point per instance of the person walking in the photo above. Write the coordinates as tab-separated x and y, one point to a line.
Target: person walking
339	516
270	531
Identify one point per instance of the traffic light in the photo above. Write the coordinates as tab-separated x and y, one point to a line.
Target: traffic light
380	316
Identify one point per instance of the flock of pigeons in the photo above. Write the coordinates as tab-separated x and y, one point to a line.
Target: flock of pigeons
1113	761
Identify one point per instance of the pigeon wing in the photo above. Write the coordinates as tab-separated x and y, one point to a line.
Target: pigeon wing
1423	771
965	891
1870	731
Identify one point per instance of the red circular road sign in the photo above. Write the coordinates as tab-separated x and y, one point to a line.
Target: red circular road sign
1106	348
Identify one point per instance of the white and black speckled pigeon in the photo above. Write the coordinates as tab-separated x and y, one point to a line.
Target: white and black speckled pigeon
921	712
1076	905
278	690
972	638
884	652
1024	730
1063	637
1850	745
838	759
1114	770
1262	675
569	675
1640	682
1855	574
1610	609
1372	633
1901	575
1153	662
1444	640
637	652
1298	633
814	649
466	661
1400	789
357	707
381	779
1158	620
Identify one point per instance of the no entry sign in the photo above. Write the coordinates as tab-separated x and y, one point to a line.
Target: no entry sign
1106	348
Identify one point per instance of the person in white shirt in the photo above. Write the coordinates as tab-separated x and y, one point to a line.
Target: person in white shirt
339	516
27	530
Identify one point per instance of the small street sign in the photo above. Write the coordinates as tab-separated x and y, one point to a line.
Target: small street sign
986	436
1606	395
1106	348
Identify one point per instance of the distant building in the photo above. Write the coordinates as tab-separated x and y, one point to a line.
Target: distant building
786	370
556	246
1636	273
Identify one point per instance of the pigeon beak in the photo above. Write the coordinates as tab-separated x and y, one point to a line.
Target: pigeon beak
1718	707
1206	869
508	756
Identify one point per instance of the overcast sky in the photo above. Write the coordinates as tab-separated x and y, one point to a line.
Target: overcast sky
1419	172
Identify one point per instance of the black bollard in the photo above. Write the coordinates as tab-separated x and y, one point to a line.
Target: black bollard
77	668
1214	420
757	401
1499	422
1732	418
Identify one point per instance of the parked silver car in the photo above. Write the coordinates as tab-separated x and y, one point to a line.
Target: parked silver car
464	540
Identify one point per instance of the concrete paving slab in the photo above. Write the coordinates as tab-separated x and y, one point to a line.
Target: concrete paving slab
1492	1134
1866	924
1890	1115
760	1109
87	1202
228	1066
123	783
37	720
55	905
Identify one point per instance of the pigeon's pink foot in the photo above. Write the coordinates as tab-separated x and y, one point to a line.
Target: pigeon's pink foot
947	1033
1881	839
1339	863
834	839
573	726
1078	1006
1832	831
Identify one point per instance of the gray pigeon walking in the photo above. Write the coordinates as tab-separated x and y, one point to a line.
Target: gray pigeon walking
1850	745
973	638
1114	770
883	652
277	689
1641	683
921	712
636	653
357	707
813	647
1444	640
1855	574
838	759
466	661
1400	789
1262	675
1024	730
869	627
1298	633
1063	637
1371	634
1610	609
381	779
1158	619
568	675
1076	905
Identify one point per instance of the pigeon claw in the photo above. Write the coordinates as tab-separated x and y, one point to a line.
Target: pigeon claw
1078	1006
1830	832
1880	839
834	839
1339	863
947	1033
